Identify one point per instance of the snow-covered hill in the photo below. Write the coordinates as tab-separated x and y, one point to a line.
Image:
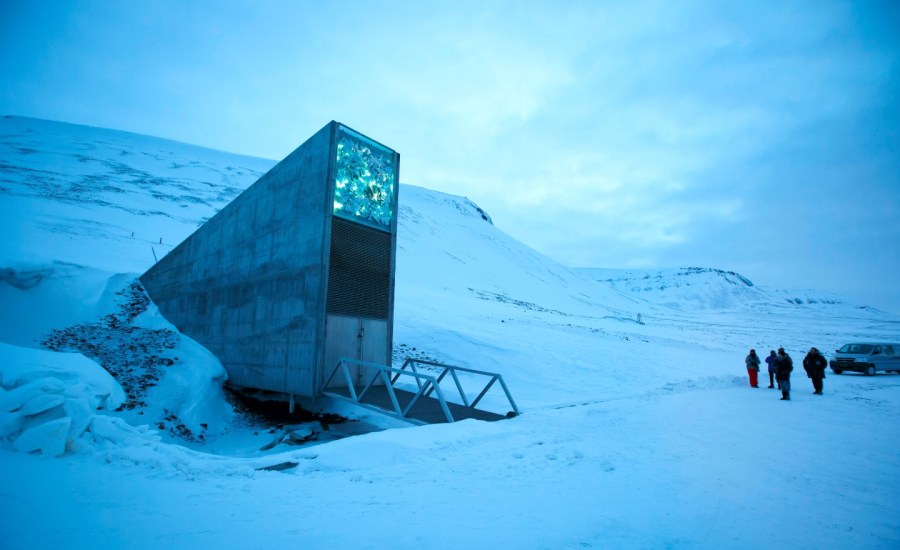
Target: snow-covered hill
709	289
639	428
107	199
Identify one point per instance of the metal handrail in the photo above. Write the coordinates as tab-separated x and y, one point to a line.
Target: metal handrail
382	371
452	370
425	383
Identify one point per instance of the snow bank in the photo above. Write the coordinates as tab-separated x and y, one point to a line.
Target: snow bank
49	403
168	380
191	388
38	297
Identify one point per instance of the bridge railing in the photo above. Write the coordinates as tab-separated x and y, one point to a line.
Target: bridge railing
428	384
452	371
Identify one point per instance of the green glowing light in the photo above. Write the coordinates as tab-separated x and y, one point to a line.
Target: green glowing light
364	180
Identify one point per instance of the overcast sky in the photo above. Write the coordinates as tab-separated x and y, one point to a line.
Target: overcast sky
759	137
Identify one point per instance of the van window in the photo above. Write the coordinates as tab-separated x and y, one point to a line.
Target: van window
864	349
888	350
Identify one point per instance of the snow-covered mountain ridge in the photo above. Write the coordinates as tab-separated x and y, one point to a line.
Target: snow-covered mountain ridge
141	183
140	196
709	289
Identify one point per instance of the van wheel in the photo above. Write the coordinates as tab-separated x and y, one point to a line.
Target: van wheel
837	371
870	370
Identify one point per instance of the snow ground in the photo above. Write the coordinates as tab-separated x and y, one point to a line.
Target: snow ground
711	464
634	434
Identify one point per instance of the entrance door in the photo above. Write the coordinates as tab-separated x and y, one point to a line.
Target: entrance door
374	345
354	338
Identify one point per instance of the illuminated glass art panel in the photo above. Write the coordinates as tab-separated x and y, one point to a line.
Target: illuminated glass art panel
364	180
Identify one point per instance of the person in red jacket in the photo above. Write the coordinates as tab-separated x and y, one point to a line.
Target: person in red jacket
752	362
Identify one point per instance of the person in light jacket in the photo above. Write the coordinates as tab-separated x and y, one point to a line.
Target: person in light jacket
772	362
752	362
783	374
814	364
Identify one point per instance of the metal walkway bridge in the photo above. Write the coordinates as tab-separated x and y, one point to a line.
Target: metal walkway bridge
391	391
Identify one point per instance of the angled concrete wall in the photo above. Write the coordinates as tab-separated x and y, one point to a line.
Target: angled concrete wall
250	284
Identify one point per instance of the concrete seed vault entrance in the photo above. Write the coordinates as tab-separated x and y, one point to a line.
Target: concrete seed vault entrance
297	271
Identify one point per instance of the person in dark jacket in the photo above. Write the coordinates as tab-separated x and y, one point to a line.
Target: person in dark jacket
783	374
752	362
771	360
814	364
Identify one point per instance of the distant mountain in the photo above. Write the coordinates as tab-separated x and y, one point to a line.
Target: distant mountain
684	288
710	289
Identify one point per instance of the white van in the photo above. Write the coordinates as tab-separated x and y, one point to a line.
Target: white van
867	358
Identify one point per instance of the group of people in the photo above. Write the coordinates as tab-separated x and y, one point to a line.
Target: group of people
780	367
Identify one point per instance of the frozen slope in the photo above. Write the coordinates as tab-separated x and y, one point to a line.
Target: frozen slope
104	198
468	294
634	434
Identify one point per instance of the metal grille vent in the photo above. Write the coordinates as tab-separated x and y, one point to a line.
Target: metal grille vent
359	271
